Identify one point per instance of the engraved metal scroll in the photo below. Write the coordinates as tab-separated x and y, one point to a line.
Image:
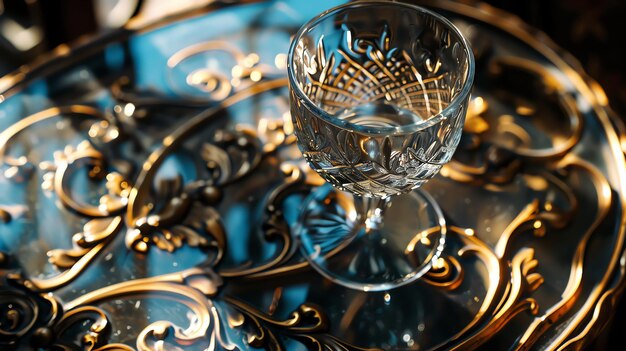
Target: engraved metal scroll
150	186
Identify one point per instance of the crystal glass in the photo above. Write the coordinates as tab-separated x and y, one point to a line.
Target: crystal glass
379	92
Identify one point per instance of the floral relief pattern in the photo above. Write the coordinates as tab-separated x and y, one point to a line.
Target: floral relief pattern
191	246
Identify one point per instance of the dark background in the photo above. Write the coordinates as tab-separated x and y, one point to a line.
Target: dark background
593	31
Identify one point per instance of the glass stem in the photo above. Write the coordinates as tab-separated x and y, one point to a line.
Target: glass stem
373	211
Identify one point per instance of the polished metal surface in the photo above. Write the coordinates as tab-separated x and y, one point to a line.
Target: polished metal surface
150	185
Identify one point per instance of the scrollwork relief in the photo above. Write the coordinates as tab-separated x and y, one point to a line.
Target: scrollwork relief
148	214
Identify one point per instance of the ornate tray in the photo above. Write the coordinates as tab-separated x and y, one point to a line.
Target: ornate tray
150	186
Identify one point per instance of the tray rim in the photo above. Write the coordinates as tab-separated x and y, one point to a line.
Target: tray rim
67	54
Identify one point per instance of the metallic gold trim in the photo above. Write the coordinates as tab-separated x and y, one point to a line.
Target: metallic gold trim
96	235
446	273
85	154
307	324
572	290
19	167
565	101
189	287
504	299
137	201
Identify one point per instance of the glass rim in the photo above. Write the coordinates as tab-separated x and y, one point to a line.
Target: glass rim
413	127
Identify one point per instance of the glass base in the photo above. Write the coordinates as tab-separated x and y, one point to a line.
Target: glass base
339	244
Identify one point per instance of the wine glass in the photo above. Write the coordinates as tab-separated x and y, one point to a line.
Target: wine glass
378	95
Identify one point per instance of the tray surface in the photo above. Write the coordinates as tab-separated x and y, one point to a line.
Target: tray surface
150	187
